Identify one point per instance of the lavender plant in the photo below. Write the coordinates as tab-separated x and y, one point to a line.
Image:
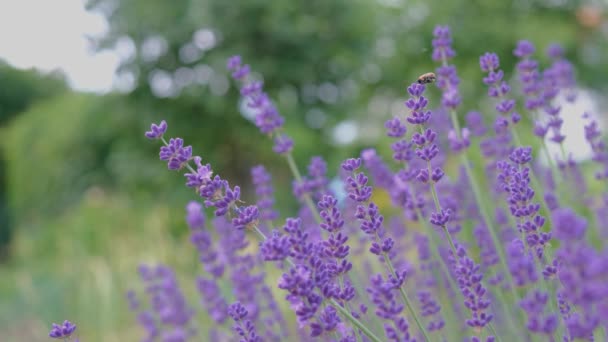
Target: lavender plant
63	331
473	254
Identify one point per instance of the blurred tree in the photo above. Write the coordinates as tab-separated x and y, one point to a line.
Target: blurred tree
18	90
77	142
324	61
306	52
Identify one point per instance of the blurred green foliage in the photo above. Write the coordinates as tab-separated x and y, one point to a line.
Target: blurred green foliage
90	200
19	89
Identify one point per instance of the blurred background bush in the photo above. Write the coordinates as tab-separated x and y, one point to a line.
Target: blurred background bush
83	198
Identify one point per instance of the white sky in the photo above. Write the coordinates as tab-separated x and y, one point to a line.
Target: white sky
52	34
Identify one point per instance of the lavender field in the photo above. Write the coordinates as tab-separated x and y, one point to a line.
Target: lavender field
417	181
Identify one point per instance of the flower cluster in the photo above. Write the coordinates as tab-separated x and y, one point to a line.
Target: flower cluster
244	328
63	331
515	180
265	192
267	117
528	74
170	314
383	296
507	283
498	88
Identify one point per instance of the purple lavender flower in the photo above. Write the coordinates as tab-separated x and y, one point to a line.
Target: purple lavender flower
498	88
332	219
551	87
458	143
212	299
367	212
301	248
469	278
442	43
430	308
563	71
515	181
529	76
148	322
315	184
489	62
300	284
378	170
239	71
201	177
157	131
524	49
265	193
327	323
593	136
244	327
283	144
394	128
399	331
555	51
226	201
247	217
447	81
202	241
275	248
317	177
538	322
567	225
521	264
335	250
582	275
194	215
423	140
62	331
383	296
175	154
134	303
168	302
357	188
475	122
267	117
488	254
274	318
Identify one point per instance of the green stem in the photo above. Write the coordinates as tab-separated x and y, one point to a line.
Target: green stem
406	299
491	326
552	164
354	321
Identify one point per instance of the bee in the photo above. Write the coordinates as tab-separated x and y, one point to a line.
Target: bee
429	77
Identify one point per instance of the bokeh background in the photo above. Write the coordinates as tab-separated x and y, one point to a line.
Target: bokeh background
83	198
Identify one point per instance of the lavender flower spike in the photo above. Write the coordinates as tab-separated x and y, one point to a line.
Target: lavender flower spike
244	328
62	331
157	131
175	154
265	193
267	117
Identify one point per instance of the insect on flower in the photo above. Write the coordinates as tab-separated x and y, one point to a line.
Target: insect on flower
429	77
